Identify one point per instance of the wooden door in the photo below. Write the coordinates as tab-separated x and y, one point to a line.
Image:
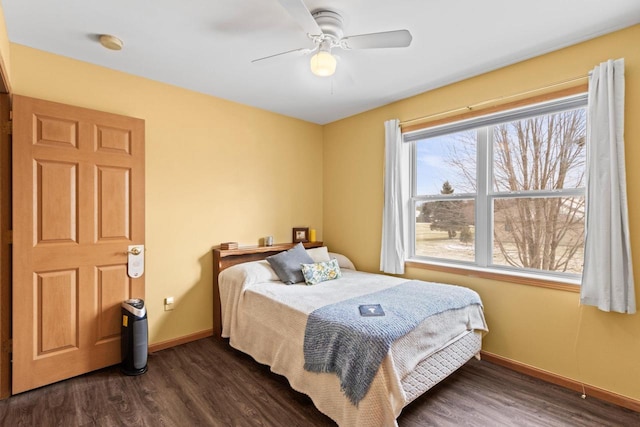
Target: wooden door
5	247
78	202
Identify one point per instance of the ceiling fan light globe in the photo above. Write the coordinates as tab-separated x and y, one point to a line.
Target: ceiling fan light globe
323	64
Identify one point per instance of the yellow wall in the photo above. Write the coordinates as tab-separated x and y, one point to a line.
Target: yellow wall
216	171
539	327
219	171
5	62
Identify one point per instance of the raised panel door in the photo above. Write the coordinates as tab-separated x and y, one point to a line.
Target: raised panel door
78	202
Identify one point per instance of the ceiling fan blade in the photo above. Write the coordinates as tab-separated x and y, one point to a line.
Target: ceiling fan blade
398	38
301	14
302	49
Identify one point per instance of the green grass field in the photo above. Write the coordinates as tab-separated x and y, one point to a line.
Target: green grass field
437	244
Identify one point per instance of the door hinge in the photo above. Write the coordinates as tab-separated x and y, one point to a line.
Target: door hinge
7	128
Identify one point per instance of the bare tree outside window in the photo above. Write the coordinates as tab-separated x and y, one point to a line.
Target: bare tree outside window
535	197
540	153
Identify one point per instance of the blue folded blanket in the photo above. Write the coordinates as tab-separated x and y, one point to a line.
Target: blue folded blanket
339	340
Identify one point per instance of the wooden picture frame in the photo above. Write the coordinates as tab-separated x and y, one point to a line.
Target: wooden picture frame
300	234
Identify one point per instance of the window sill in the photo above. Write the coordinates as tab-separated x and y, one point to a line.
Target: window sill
530	280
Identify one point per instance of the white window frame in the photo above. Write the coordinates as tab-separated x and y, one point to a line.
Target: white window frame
485	193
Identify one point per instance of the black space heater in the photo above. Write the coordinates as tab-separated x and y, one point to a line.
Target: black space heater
134	337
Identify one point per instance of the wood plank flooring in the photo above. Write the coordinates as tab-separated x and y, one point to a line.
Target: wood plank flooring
207	383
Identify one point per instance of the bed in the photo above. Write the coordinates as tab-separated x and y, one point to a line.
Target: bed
267	319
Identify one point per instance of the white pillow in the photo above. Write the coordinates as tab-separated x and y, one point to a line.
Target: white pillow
251	272
320	254
343	261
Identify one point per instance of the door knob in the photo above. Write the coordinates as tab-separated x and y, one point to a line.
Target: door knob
135	260
135	251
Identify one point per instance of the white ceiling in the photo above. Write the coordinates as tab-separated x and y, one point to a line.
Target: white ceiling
207	45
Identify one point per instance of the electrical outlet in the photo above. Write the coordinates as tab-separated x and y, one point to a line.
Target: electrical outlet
168	304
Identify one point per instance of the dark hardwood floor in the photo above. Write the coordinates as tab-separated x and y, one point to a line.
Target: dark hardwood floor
207	383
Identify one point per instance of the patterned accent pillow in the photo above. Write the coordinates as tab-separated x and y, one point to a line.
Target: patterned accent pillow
321	271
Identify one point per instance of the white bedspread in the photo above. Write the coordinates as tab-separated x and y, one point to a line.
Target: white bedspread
266	319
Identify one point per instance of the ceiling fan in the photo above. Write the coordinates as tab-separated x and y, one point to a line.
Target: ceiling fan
324	28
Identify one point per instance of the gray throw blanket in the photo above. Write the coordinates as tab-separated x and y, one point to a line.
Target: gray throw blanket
339	340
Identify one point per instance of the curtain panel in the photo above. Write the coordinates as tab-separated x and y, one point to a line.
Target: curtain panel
396	196
607	278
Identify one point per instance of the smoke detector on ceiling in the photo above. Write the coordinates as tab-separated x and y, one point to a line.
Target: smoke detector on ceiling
111	42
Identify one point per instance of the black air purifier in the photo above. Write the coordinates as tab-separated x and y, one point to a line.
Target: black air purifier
134	338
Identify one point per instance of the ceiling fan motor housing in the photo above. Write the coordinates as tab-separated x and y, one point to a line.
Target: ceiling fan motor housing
325	29
330	23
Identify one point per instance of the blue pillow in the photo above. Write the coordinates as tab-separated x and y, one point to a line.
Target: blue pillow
288	264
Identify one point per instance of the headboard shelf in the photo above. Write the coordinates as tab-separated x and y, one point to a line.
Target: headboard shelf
225	258
278	247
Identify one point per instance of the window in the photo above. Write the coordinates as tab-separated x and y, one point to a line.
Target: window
504	191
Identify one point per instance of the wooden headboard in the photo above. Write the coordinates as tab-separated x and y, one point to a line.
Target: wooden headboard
225	258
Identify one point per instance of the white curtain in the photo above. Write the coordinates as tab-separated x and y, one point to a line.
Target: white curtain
607	278
396	195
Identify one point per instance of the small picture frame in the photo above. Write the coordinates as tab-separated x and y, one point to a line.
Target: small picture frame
300	234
